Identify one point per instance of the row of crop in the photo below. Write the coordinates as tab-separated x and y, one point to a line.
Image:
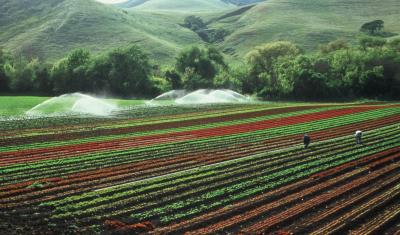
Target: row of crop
223	218
88	159
378	222
70	131
242	164
275	205
346	219
121	137
195	128
238	185
319	200
115	122
192	133
246	147
218	198
192	199
168	148
226	172
158	125
335	209
281	131
101	177
138	112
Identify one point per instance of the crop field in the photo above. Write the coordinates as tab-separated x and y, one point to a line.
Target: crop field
206	169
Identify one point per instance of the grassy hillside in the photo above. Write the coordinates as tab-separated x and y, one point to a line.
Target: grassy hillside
191	6
186	5
51	28
242	2
307	23
131	3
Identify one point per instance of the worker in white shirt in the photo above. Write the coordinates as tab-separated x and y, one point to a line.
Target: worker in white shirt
358	136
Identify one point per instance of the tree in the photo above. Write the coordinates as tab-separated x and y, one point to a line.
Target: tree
339	44
373	82
395	45
77	63
371	42
98	74
199	66
130	72
173	77
60	76
307	75
22	74
160	85
263	62
5	58
373	27
42	82
69	74
193	81
227	79
194	23
77	58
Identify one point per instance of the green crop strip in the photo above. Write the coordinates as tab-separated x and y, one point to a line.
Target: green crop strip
222	170
116	153
156	132
115	123
168	213
322	164
91	164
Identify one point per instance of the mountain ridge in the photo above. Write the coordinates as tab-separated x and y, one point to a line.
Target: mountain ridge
135	3
50	29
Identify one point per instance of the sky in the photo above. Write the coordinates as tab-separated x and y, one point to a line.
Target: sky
111	1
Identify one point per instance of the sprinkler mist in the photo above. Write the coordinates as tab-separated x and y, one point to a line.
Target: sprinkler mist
208	96
202	96
73	104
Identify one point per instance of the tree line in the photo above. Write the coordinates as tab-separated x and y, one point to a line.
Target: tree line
277	70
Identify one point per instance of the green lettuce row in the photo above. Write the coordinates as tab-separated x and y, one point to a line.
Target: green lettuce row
89	159
241	185
156	132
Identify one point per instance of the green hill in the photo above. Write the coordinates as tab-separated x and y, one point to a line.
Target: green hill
307	23
242	2
186	5
51	28
191	6
131	3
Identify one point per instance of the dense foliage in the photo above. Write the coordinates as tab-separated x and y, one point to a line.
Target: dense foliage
373	27
275	70
209	35
371	69
123	72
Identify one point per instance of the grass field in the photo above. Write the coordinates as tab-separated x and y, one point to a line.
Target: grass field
204	169
18	105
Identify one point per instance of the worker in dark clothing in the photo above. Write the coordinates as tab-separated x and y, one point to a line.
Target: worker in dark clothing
306	140
358	136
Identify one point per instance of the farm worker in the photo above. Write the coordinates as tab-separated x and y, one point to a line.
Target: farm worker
306	140
358	136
